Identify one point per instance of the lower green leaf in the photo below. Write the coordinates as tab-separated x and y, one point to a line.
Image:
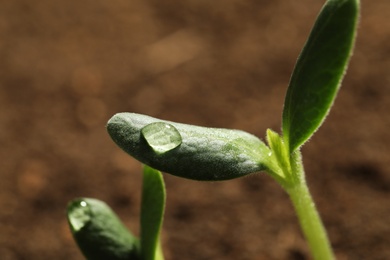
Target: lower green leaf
99	233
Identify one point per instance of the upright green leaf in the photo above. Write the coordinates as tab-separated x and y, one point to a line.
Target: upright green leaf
319	70
152	211
188	151
99	233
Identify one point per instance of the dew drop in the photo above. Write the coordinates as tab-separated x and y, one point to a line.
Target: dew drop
79	214
161	137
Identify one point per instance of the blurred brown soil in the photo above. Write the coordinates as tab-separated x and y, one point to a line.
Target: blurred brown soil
68	66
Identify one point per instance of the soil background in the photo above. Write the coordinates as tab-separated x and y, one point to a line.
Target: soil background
68	66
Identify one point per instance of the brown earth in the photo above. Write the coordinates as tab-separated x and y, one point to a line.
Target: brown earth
68	66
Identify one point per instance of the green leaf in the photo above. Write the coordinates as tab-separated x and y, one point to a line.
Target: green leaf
188	151
152	211
319	71
99	233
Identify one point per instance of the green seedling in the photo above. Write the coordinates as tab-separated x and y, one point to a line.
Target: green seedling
100	234
213	154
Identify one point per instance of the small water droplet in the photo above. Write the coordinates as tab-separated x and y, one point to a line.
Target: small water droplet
161	137
79	214
270	153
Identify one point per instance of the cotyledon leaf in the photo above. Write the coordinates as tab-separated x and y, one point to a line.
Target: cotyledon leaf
193	152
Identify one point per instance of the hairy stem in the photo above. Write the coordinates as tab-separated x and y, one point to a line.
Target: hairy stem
307	213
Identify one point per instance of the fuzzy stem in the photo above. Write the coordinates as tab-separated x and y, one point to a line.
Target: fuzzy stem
307	213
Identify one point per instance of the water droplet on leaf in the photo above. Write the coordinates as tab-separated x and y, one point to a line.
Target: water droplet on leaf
79	214
161	137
